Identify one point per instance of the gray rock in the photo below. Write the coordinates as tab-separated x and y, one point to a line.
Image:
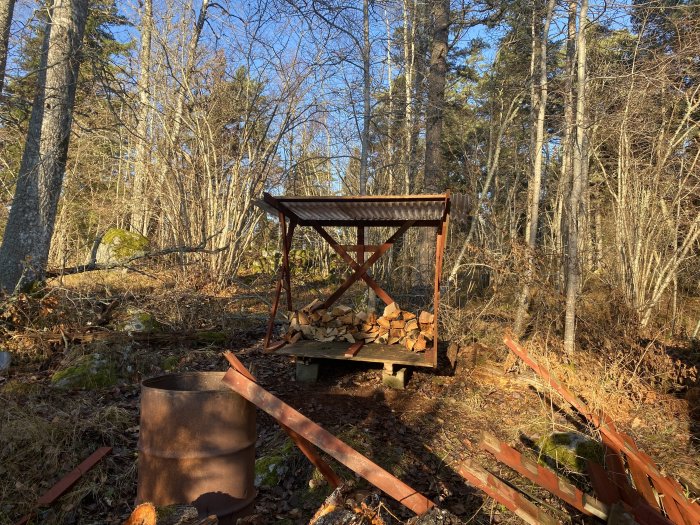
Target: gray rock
5	360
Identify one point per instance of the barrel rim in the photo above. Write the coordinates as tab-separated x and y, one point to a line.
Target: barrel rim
158	383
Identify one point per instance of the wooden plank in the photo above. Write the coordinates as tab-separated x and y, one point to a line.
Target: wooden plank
371	353
616	441
641	483
358	247
504	494
66	482
352	351
381	293
543	477
603	486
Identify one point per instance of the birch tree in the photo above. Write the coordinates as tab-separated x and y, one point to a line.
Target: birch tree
577	184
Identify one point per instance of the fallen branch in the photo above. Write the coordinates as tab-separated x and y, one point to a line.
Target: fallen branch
93	265
89	336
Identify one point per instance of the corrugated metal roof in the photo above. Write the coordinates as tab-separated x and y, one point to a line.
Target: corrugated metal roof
425	210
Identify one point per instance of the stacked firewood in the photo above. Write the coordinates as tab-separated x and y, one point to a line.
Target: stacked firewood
341	323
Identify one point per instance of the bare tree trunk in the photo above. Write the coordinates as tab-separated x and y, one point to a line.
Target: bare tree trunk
174	134
390	118
577	183
7	7
25	245
539	105
495	147
139	212
566	176
366	101
434	177
409	23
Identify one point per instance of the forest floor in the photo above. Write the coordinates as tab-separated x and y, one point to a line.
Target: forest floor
419	434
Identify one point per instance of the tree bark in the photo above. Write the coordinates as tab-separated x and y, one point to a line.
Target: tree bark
7	7
539	108
577	184
366	99
434	178
25	246
409	22
139	213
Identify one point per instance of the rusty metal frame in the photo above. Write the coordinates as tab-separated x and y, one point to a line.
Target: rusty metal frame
358	264
361	270
242	382
679	509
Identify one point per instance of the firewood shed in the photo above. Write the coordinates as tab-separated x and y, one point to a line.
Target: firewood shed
399	212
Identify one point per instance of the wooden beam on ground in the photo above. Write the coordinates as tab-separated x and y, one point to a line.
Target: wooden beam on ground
67	481
287	416
544	477
302	443
504	494
674	502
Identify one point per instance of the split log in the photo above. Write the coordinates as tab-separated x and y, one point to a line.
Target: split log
392	311
148	514
341	323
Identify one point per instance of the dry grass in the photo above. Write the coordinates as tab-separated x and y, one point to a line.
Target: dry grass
639	381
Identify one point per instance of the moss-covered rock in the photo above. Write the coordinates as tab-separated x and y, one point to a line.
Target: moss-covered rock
88	372
119	245
139	321
571	450
271	468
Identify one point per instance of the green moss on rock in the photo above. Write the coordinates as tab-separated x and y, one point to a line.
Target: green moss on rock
571	450
88	372
139	321
271	468
119	245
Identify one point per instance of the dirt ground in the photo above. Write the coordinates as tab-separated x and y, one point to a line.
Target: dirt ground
419	434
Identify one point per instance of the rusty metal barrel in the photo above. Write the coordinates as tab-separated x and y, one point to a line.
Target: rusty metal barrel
196	445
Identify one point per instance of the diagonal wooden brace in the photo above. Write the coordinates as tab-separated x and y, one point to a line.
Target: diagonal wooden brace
302	443
340	250
286	416
362	270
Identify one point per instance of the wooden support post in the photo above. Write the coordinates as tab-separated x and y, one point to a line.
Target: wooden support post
283	281
439	252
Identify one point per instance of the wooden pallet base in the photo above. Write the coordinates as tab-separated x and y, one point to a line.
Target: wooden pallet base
370	353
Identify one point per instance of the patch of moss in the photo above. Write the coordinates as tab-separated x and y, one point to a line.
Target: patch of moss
212	337
88	372
571	449
170	363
